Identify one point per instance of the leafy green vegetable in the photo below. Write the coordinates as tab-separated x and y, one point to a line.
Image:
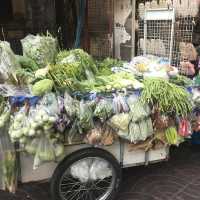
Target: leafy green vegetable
42	49
108	83
181	80
104	110
27	63
42	87
71	67
85	116
105	66
83	59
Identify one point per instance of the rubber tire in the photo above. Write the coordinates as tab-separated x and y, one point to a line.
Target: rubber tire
81	154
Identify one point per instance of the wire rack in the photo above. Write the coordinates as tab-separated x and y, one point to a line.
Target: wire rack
183	48
158	38
159	42
156	32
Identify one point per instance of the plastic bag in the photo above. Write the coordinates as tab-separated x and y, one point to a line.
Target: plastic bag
8	63
50	104
42	49
19	125
101	135
137	131
100	170
94	136
103	110
184	128
120	121
138	110
46	150
71	105
86	116
74	133
7	90
90	169
8	167
81	170
119	104
5	116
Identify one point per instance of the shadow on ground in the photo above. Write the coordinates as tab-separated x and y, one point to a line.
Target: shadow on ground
177	179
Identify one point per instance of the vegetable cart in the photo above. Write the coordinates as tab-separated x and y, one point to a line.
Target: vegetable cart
98	170
119	126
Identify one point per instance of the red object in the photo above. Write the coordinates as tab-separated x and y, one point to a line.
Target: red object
184	128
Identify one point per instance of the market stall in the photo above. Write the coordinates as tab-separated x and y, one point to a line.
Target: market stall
78	120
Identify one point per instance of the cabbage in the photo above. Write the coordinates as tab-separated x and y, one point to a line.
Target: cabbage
42	87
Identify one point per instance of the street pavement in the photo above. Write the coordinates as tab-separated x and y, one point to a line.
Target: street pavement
177	179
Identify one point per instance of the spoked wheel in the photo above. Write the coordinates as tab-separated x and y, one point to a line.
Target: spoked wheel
89	174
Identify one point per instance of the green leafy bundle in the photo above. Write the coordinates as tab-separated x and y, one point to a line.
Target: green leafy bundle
105	66
169	97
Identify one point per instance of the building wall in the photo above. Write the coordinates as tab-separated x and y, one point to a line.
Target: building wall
28	16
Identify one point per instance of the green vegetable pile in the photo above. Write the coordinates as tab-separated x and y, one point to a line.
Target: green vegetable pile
109	83
169	97
41	49
181	81
105	66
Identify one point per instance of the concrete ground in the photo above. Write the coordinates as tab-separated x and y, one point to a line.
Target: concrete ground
177	179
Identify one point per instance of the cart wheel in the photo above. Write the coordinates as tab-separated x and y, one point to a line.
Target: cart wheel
89	174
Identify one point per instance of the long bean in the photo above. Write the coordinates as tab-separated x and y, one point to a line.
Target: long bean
169	97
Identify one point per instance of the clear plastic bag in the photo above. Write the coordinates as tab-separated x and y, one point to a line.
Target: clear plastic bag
8	63
119	104
120	121
89	169
8	167
86	116
104	110
50	104
42	49
7	90
5	115
73	132
71	105
140	131
45	152
19	125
